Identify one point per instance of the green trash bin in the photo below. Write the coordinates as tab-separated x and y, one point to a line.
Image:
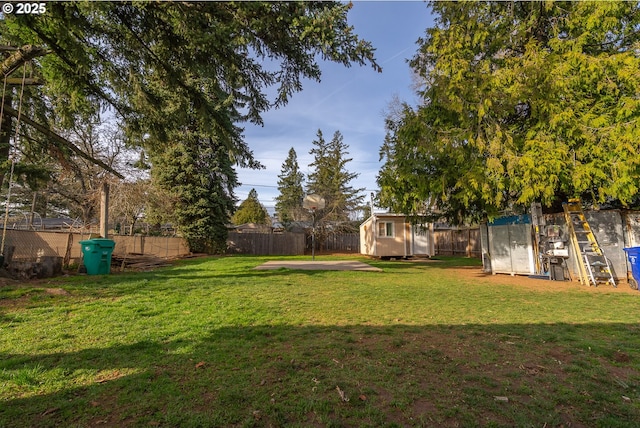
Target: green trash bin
96	254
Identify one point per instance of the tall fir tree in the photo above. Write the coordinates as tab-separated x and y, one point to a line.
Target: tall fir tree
197	173
251	211
330	179
290	182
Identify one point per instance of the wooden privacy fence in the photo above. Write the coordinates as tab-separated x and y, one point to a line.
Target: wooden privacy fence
290	244
457	242
266	244
31	245
448	242
336	243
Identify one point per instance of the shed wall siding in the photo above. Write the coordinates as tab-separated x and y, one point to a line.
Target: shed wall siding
392	246
367	237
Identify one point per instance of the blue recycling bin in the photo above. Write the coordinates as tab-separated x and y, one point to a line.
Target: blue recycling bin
633	255
96	254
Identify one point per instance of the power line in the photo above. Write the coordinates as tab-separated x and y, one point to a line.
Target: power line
258	185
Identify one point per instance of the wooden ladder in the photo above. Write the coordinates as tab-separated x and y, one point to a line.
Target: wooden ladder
594	268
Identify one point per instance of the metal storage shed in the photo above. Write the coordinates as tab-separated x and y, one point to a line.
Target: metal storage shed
510	246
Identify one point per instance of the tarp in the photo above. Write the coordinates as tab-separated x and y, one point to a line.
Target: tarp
512	219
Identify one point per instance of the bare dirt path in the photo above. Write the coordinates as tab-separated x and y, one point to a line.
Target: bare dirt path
476	274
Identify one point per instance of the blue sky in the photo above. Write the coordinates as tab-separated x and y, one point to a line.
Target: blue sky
350	100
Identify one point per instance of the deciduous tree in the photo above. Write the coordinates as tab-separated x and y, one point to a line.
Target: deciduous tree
73	184
129	201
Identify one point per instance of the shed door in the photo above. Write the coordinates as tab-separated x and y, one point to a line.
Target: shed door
521	248
511	249
500	249
421	238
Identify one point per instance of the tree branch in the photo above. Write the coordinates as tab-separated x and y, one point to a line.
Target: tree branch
19	57
60	140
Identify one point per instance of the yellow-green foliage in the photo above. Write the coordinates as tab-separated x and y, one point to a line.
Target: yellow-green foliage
542	98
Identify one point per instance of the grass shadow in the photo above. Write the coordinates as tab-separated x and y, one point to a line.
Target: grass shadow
352	375
215	344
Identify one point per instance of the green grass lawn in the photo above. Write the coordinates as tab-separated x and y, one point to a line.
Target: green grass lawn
211	342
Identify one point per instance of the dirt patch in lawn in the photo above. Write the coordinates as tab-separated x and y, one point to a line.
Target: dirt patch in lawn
20	293
475	274
319	265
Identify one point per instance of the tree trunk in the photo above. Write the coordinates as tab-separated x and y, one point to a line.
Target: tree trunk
10	64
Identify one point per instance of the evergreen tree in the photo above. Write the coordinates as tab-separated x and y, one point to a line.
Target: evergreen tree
251	211
198	175
330	178
289	201
522	102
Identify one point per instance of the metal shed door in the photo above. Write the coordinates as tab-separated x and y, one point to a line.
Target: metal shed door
521	249
500	249
511	249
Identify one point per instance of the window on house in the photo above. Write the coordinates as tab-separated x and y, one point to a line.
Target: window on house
385	228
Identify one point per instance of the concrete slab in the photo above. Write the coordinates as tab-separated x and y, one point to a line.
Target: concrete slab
319	265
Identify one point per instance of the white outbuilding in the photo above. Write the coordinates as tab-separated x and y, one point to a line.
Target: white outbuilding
388	235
